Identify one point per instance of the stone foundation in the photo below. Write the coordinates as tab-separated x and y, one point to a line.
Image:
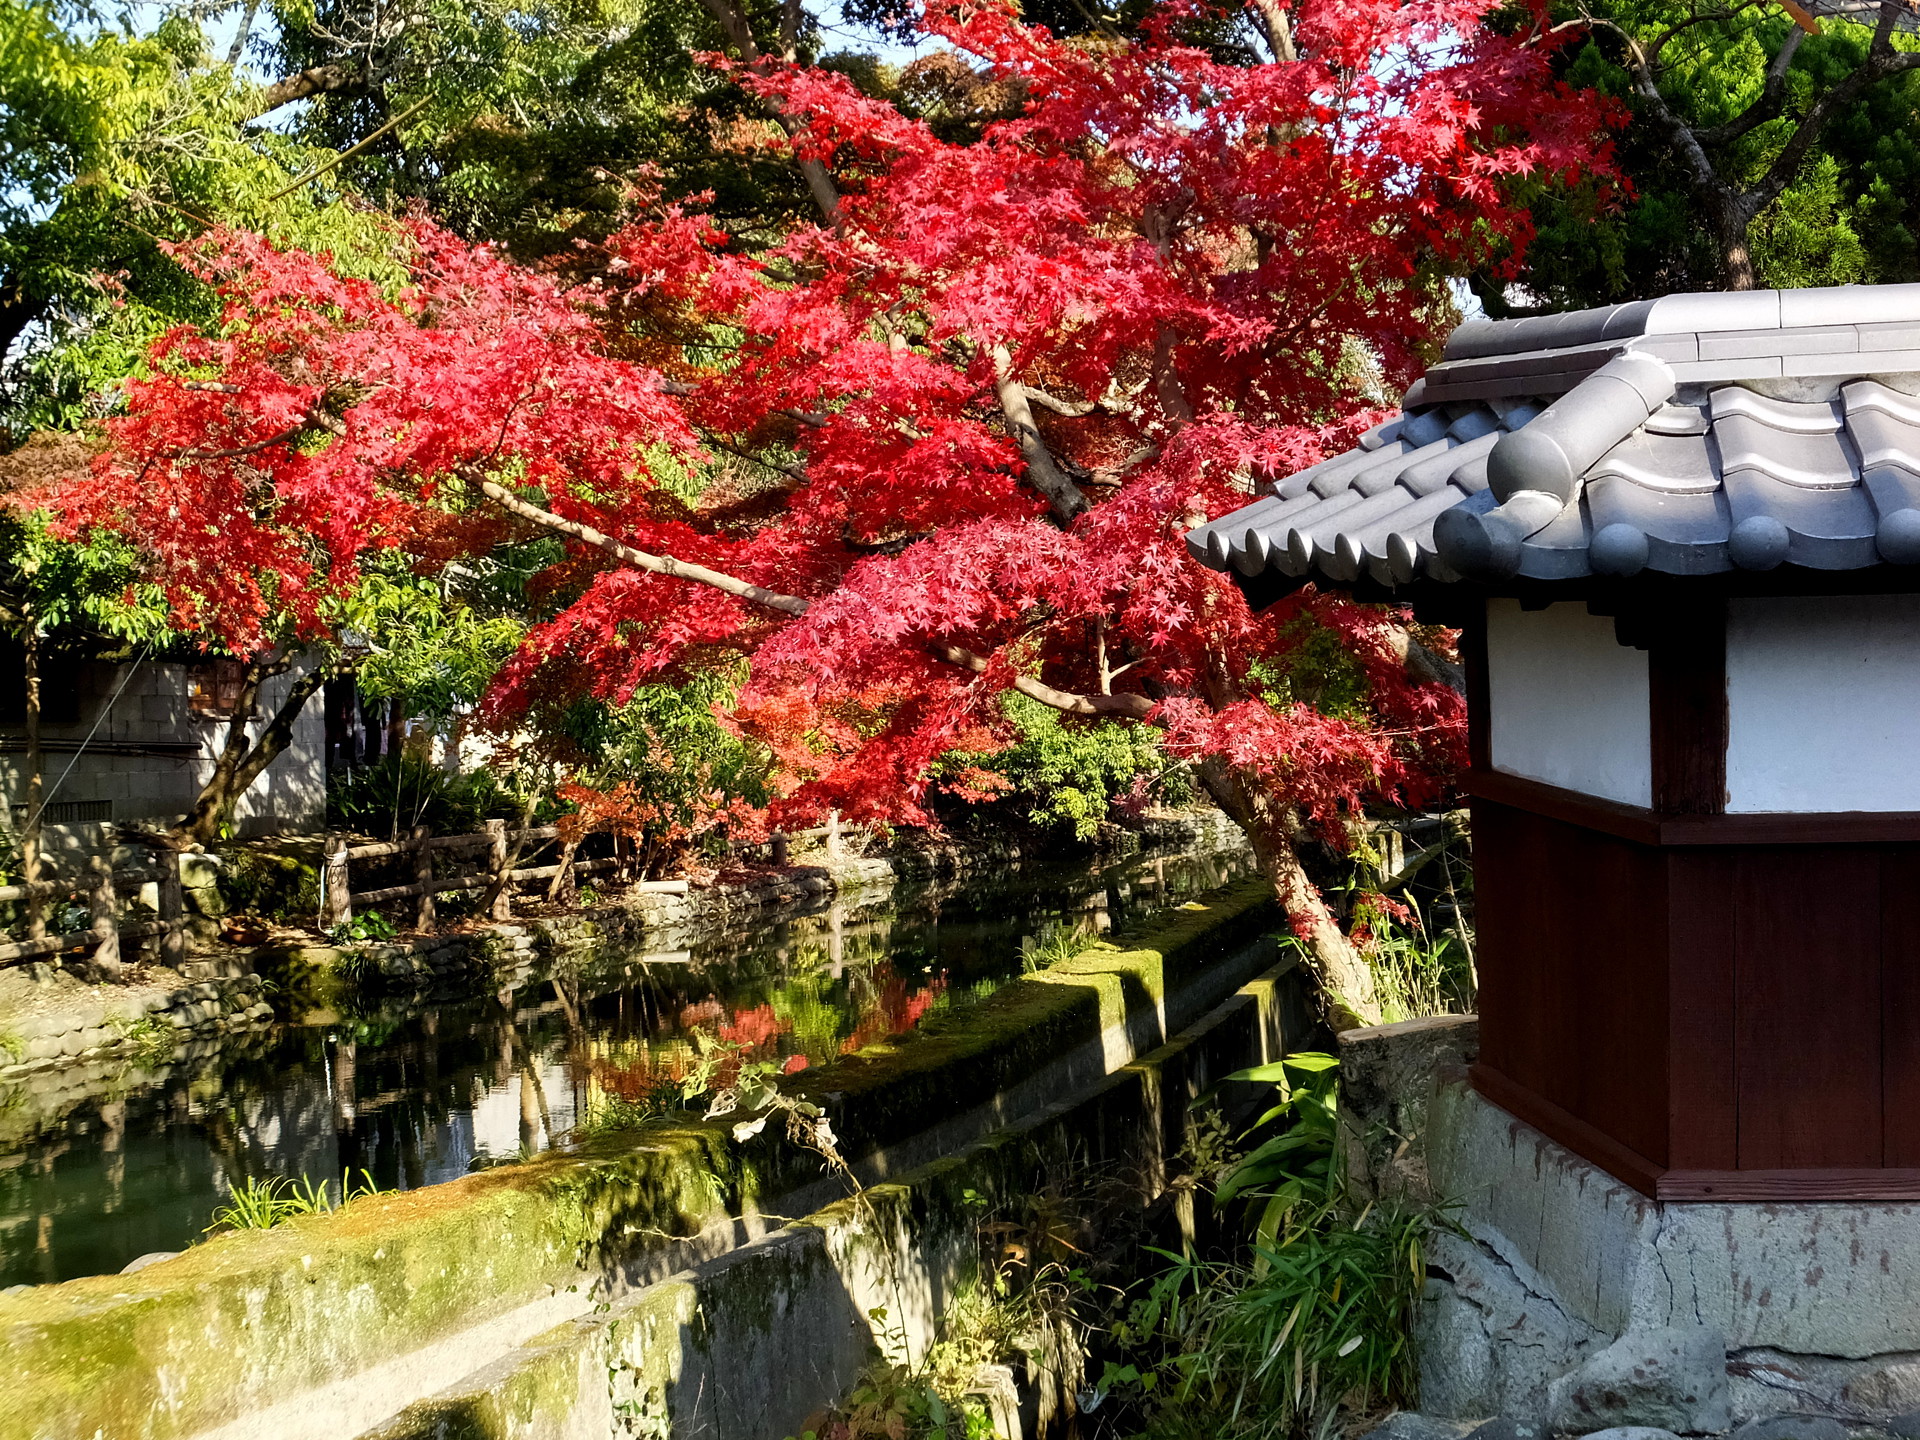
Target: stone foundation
1560	1280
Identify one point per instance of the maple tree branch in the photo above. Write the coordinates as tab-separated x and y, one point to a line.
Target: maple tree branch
1133	707
641	559
1128	706
1277	29
1066	498
739	30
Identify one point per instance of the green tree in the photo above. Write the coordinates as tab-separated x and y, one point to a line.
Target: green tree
1758	153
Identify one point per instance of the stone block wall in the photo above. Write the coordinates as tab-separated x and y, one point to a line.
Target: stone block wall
127	746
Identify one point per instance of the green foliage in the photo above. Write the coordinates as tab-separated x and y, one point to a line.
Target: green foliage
397	792
1064	774
256	880
437	640
1315	668
1851	214
111	142
1318	1317
152	1039
365	925
264	1203
1418	971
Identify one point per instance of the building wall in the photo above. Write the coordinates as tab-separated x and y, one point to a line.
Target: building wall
1823	703
1568	704
138	752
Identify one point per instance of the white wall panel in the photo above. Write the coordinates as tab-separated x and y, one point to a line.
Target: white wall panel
1568	702
1823	703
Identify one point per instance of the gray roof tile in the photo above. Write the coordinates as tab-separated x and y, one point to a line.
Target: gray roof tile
1654	440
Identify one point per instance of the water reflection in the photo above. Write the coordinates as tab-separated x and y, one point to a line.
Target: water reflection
100	1166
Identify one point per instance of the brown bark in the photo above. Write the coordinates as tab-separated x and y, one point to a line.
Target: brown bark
1344	977
1731	209
242	762
320	80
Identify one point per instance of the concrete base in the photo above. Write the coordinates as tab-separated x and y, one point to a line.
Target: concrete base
1818	1304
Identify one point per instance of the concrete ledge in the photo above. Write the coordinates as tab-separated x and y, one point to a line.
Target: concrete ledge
747	1346
249	1320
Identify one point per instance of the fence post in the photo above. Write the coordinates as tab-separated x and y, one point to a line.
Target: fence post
173	902
499	880
106	929
423	877
833	836
777	850
336	885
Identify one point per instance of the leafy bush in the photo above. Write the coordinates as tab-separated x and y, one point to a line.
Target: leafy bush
397	792
1065	774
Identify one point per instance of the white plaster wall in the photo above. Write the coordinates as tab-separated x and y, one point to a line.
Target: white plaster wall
1823	703
1568	702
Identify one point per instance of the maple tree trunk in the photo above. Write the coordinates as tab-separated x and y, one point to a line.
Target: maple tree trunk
242	762
1344	977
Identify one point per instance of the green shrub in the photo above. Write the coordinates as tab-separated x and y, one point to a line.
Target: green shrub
1315	1317
396	793
257	881
1066	774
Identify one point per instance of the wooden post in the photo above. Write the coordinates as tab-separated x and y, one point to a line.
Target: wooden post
423	877
777	849
336	885
36	782
560	890
173	942
833	837
106	929
497	870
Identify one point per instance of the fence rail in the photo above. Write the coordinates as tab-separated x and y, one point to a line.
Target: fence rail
105	937
497	872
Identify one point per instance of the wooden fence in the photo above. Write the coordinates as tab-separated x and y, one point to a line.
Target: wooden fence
338	897
105	937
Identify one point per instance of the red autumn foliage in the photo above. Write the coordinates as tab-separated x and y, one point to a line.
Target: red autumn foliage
988	392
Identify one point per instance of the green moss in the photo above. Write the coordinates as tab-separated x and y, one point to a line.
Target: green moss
251	1318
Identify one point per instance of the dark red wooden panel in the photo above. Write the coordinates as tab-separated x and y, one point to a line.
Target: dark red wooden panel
1900	1004
1687	710
1807	998
1573	978
1702	1113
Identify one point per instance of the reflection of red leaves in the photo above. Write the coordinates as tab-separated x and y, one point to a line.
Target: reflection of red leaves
751	1029
894	1011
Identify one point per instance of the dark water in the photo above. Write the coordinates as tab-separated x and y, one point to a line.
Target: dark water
420	1093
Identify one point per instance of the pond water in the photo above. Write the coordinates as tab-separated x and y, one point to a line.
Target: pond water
418	1093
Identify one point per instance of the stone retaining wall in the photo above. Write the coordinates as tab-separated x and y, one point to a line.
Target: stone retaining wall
396	1296
118	1022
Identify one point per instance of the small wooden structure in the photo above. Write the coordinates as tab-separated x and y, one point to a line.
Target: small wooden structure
107	931
1682	541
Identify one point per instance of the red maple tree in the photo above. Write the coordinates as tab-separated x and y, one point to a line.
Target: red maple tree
966	417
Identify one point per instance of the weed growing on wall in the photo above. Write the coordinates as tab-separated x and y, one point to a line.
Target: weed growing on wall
261	1204
152	1039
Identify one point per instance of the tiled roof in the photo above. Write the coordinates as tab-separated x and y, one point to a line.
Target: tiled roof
1689	435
